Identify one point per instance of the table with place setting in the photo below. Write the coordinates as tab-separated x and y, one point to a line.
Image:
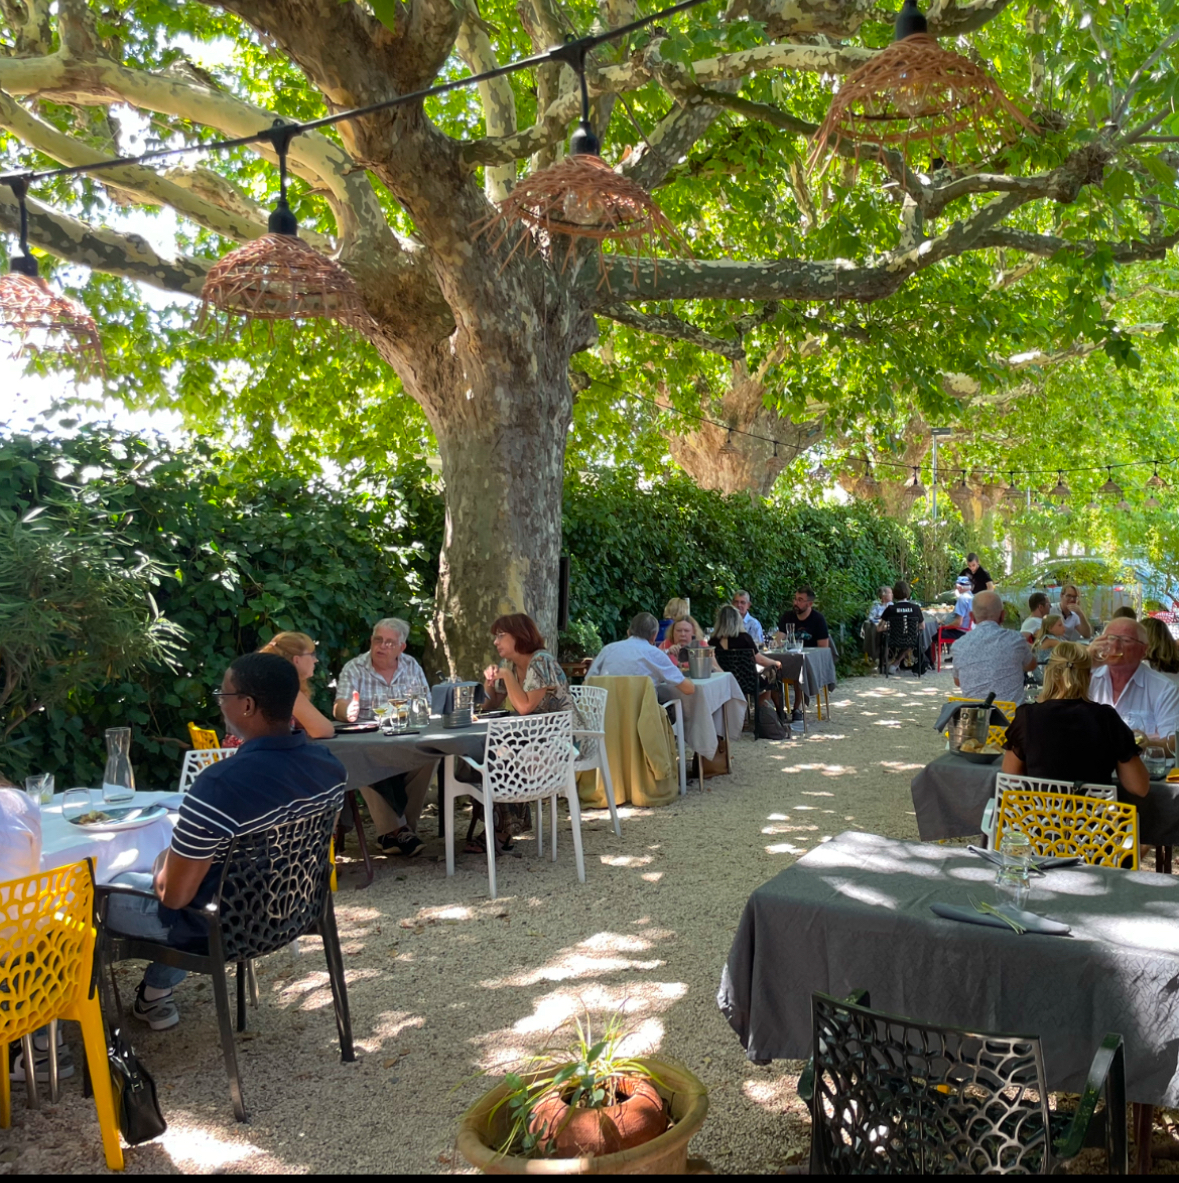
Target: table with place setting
115	848
813	669
856	913
716	709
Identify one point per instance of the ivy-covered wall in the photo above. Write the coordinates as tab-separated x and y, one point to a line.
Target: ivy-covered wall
249	552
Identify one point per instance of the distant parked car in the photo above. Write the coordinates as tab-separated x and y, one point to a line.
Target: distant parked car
1105	585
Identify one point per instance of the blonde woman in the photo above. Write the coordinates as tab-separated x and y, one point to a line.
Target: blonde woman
1048	636
675	609
299	650
1161	650
1066	737
680	636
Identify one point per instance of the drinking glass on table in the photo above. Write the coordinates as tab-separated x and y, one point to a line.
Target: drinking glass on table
1154	756
40	787
75	803
400	709
381	708
1013	879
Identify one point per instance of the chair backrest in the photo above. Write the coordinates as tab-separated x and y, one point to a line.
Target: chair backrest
741	664
894	1096
46	946
906	631
203	737
1104	833
1035	784
529	756
591	705
274	884
197	760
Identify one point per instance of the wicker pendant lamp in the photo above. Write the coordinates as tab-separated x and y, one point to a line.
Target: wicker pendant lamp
961	494
1111	488
1061	488
1156	481
278	276
40	320
913	487
916	91
869	486
582	197
1013	495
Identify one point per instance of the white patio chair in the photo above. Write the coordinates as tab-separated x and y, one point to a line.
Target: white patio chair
197	760
591	743
1036	784
677	729
525	758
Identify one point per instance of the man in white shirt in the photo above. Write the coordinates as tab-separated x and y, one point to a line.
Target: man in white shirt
991	657
638	656
1039	607
870	633
742	601
1145	700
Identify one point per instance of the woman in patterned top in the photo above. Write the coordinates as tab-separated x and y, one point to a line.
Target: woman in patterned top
533	683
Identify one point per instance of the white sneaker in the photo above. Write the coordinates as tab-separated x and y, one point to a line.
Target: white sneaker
16	1061
159	1014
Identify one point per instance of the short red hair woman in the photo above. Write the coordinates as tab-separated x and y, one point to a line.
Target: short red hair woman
531	680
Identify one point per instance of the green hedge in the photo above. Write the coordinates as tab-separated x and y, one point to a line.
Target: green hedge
251	552
631	551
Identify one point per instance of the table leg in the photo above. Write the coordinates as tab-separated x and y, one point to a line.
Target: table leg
1143	1125
728	745
1162	859
441	798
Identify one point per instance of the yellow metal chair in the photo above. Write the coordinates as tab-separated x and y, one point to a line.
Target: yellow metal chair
46	965
203	737
996	734
1103	833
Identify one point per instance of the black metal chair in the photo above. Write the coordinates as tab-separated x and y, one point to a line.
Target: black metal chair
274	888
905	632
741	664
893	1096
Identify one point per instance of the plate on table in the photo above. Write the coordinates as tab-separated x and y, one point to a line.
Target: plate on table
355	728
119	817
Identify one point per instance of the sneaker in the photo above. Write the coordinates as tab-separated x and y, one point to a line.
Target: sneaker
796	716
408	842
159	1014
16	1061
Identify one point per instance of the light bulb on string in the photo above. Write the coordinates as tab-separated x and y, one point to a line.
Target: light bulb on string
42	321
278	276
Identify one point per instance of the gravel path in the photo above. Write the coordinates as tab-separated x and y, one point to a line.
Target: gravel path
444	983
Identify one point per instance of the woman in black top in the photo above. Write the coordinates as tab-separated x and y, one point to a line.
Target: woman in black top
1066	737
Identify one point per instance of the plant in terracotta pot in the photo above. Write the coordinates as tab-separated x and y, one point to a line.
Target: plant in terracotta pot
589	1102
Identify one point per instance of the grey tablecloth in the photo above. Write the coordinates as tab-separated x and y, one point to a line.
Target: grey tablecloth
951	793
854	914
815	668
371	756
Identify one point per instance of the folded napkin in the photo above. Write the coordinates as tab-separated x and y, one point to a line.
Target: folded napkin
1173	775
1044	862
1033	923
172	801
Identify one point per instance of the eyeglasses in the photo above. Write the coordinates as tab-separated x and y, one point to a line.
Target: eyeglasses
220	694
499	636
381	643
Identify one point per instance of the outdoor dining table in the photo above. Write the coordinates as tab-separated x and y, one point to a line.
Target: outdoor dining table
951	792
855	914
813	669
113	851
716	709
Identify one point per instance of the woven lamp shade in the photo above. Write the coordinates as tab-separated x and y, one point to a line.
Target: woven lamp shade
962	495
279	277
915	90
582	197
45	322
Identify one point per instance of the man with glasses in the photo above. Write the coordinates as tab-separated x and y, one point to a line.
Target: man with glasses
395	802
1145	700
277	776
742	601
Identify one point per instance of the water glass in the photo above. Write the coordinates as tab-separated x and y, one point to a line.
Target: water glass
75	803
1155	758
40	787
401	710
1013	879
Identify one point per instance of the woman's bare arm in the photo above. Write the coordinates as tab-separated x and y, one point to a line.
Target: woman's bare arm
1133	777
317	725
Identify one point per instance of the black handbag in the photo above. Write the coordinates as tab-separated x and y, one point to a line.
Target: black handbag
140	1118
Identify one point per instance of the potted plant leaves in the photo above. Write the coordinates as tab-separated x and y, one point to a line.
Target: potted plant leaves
577	646
586	1108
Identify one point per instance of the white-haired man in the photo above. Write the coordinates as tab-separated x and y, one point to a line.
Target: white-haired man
742	602
395	802
1145	700
991	657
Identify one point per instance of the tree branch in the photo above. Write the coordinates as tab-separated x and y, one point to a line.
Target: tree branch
496	97
1044	245
104	250
1041	358
675	328
801	18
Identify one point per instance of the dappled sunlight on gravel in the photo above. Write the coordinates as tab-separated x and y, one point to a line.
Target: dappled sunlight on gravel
448	987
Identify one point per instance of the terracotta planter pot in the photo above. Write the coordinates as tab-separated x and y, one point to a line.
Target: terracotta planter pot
572	1133
664	1154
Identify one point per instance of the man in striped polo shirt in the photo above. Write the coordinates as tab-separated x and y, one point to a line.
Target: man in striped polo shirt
277	776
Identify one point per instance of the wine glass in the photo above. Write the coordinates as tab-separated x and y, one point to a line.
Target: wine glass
75	803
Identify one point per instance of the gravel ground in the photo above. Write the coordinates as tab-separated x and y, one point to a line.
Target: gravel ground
445	984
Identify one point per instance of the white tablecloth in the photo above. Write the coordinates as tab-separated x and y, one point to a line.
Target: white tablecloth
113	851
703	721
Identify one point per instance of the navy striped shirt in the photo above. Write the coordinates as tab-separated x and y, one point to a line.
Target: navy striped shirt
271	780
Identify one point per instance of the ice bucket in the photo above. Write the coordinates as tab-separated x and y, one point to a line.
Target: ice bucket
700	662
969	723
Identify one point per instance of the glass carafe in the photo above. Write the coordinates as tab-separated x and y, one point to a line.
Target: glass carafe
118	780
